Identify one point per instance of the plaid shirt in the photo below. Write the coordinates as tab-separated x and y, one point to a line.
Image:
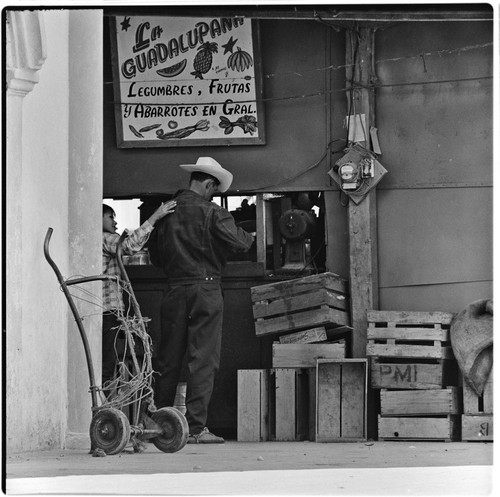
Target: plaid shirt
111	296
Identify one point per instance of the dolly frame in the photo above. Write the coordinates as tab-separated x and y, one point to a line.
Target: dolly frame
110	430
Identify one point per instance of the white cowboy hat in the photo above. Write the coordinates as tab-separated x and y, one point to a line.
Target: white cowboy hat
211	166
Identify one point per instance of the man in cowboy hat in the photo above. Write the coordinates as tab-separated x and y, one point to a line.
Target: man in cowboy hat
191	247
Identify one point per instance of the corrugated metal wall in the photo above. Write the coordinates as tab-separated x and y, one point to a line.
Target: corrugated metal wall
435	205
435	122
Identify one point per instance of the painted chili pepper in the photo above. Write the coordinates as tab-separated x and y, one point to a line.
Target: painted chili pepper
149	128
136	133
202	125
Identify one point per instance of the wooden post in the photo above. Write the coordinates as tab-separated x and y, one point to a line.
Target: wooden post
261	229
362	217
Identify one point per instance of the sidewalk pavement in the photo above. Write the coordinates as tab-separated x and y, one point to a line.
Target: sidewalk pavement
266	468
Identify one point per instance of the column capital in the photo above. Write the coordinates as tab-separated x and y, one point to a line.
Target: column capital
26	50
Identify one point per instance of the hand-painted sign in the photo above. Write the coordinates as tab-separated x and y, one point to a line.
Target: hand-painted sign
186	81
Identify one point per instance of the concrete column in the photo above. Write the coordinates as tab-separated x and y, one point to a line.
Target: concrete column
85	207
25	55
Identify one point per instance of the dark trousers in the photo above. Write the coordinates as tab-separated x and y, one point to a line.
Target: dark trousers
191	326
110	326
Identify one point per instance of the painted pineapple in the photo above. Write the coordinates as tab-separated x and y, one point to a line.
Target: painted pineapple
203	60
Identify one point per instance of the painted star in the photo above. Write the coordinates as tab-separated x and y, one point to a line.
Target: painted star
125	23
228	47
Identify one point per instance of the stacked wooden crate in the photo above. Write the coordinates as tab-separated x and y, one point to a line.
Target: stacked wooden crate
477	419
412	364
309	318
300	304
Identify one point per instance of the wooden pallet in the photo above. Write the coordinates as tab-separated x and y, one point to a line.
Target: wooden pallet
436	428
298	304
305	355
418	335
409	374
420	402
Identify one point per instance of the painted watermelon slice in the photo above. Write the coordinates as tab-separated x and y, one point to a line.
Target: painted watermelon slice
173	70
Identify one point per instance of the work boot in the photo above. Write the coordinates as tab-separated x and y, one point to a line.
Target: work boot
205	437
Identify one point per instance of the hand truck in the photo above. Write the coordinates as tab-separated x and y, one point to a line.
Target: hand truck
110	429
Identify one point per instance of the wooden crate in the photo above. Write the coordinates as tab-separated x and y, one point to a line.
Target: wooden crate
253	405
477	427
311	384
420	402
442	428
420	335
304	355
291	404
483	404
294	305
341	400
477	420
312	335
409	374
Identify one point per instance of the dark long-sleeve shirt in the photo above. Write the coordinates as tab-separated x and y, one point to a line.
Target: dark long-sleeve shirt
193	243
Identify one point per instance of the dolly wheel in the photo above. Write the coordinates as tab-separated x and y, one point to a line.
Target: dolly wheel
109	430
175	429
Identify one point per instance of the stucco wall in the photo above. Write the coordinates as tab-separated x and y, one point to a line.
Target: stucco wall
46	177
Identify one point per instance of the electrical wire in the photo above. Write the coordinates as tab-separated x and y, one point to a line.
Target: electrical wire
302	172
372	86
352	87
332	67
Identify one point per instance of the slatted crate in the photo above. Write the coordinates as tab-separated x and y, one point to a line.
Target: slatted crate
294	305
420	402
412	363
477	419
341	400
275	404
411	374
305	355
479	404
418	335
477	427
435	428
290	404
253	405
311	335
